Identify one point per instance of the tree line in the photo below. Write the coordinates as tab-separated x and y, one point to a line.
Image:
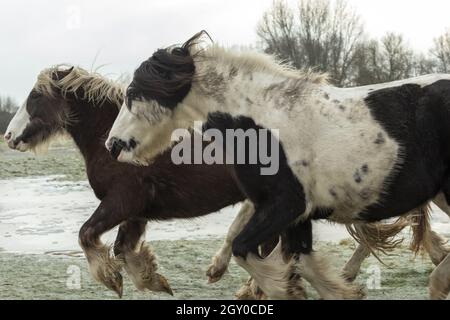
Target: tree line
329	36
7	109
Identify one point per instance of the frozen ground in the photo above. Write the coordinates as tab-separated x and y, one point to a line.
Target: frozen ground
44	214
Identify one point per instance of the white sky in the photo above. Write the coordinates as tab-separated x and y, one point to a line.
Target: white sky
39	33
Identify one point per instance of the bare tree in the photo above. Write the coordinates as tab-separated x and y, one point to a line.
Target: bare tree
278	33
368	64
345	35
441	51
8	104
387	60
323	35
424	65
399	57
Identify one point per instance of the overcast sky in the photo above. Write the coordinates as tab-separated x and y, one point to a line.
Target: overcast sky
39	33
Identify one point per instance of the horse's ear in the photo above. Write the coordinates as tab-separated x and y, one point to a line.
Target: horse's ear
61	74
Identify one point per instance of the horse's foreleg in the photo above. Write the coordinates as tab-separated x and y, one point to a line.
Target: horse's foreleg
140	261
103	266
273	273
269	220
280	274
352	267
222	258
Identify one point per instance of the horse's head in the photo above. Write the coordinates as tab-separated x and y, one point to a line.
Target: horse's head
153	101
42	116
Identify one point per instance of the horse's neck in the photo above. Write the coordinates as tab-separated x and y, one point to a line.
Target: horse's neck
228	89
91	126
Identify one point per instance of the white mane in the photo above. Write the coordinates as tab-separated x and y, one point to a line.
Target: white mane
96	88
258	62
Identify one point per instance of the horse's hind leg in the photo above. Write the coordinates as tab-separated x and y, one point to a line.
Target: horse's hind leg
352	267
139	259
424	237
222	258
102	265
440	278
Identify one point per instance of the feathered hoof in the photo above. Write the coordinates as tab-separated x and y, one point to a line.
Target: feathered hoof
275	277
439	287
141	266
250	291
354	292
217	269
106	270
348	276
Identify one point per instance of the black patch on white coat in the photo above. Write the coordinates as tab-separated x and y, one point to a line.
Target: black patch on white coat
418	120
279	199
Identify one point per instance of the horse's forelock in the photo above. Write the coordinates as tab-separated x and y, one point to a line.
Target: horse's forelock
168	74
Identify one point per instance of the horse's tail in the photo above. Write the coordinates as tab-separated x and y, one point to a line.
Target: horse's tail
422	237
382	237
379	237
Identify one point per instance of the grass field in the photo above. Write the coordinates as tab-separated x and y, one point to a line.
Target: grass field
184	264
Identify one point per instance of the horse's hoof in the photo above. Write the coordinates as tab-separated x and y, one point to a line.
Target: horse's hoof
438	288
250	291
115	283
350	278
108	273
141	266
162	285
216	270
155	283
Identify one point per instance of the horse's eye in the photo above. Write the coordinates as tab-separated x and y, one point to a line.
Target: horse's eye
35	95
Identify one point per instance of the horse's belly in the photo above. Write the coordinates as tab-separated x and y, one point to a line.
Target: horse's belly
348	177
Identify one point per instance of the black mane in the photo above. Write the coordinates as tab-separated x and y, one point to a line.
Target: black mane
166	76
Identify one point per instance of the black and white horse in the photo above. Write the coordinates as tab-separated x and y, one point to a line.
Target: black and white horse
348	155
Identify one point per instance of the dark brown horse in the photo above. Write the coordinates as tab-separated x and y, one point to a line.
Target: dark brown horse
85	105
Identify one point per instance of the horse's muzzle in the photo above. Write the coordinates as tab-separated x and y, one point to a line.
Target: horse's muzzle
11	141
115	147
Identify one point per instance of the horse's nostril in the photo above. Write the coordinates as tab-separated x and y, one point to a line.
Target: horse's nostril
8	136
117	146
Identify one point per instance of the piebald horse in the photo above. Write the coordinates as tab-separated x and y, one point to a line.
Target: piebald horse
348	155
